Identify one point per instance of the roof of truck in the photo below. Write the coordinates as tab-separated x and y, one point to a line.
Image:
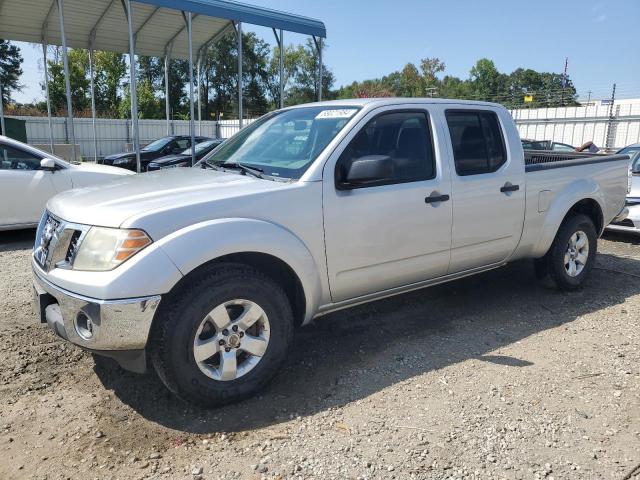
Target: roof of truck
396	101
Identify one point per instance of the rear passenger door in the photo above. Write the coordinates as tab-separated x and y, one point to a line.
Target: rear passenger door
487	189
393	233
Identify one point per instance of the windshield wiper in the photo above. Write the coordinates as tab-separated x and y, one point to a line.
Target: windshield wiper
255	171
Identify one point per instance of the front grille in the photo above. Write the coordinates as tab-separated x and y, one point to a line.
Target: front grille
57	242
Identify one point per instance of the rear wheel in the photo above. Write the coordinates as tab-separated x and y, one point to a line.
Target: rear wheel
572	254
222	336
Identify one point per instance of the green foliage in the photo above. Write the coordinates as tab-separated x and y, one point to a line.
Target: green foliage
78	79
148	105
110	69
10	69
485	82
219	81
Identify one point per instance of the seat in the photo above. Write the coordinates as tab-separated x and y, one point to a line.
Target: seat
410	159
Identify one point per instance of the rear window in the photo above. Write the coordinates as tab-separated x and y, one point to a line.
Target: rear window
476	137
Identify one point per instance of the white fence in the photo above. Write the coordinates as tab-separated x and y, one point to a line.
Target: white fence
114	135
609	128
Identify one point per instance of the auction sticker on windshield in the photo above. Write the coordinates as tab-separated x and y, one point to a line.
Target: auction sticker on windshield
337	113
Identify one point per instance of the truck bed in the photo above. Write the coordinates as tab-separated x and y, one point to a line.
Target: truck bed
536	160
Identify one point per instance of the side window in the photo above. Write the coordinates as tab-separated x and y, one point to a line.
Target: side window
15	159
181	144
478	146
403	136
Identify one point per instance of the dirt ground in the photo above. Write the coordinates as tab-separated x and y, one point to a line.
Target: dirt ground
485	378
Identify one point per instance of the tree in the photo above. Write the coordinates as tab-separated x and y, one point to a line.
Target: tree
10	69
430	67
148	105
110	70
305	81
79	82
486	81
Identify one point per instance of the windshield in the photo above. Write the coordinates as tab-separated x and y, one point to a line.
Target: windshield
634	154
157	144
200	147
283	143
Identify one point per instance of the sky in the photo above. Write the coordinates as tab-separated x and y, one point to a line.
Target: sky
371	38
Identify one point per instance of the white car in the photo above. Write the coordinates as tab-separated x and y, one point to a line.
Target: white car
30	177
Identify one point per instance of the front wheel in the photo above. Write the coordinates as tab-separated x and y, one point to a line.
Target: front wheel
222	336
572	254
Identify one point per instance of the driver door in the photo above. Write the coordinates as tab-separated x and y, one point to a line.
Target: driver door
391	234
25	187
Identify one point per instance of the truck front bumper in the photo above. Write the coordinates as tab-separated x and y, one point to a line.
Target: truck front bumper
114	328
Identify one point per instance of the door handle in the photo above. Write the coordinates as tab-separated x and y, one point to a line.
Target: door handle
436	198
507	187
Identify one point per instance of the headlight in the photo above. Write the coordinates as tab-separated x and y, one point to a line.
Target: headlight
175	165
106	248
121	161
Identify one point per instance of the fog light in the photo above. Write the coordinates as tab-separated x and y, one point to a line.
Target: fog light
84	326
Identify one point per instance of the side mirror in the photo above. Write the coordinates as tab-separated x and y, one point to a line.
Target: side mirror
47	164
367	170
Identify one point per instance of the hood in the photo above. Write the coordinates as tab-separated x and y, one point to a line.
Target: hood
97	168
112	203
171	158
130	155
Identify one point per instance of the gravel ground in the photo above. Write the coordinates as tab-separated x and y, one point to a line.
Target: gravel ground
489	377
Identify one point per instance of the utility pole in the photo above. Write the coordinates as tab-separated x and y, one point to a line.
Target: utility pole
589	97
564	80
611	131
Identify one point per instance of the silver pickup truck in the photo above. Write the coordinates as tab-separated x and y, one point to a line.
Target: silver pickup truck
204	272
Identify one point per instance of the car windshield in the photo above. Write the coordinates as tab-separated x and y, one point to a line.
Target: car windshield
284	143
157	144
200	147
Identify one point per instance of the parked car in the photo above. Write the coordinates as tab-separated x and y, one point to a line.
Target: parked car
29	177
529	144
168	145
631	224
183	159
308	210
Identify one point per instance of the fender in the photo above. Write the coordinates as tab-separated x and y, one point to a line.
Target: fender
576	191
200	243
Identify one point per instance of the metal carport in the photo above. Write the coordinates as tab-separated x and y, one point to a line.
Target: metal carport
160	28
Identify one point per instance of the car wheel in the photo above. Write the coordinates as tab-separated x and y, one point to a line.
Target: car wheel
570	259
222	336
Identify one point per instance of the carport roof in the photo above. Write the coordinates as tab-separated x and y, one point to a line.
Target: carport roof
156	23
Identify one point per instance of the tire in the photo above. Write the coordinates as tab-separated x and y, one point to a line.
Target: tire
552	268
181	331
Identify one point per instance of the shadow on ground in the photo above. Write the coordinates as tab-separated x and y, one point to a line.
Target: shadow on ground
349	355
14	240
621	237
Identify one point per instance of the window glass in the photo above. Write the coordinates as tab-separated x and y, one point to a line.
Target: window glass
403	136
477	141
181	143
563	147
284	143
157	144
15	159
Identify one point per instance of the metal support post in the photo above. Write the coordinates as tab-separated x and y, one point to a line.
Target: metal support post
46	89
132	83
65	61
239	35
188	20
93	105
